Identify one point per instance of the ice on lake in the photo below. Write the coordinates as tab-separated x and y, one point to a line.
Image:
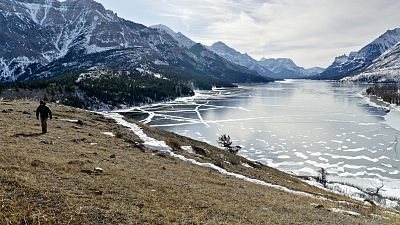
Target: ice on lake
296	126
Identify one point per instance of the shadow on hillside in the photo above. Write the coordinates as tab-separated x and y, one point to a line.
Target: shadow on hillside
28	134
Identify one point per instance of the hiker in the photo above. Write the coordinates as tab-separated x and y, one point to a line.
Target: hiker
45	114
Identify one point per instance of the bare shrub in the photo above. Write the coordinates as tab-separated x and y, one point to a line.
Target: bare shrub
225	141
322	177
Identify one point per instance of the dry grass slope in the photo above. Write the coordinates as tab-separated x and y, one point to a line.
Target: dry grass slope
50	179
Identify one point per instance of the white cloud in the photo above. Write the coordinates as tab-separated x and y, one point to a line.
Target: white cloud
312	32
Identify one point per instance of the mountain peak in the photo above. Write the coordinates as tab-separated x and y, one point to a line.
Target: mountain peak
395	31
278	60
342	58
383	43
222	48
220	44
178	36
279	68
385	69
60	37
162	27
92	4
356	62
286	68
235	56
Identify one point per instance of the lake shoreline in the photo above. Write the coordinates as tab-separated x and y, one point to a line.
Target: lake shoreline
181	117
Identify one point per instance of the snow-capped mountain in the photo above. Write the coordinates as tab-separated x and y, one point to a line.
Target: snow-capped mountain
358	61
286	68
242	59
312	71
44	38
385	69
178	36
275	68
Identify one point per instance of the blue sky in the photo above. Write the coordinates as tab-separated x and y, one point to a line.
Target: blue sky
311	32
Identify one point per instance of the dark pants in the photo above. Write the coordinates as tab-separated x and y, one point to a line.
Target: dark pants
43	121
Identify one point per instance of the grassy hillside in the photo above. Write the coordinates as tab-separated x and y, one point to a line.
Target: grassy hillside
51	179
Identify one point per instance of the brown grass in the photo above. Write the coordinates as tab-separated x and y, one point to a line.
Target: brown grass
47	179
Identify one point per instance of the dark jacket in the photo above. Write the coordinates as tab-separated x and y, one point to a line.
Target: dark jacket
44	112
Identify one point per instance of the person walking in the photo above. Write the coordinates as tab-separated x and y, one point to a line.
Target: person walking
45	114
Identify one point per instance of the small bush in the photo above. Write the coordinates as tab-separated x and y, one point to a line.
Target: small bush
322	177
119	134
225	141
199	151
174	145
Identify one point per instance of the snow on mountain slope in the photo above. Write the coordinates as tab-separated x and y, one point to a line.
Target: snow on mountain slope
275	68
46	30
385	69
178	36
44	38
242	59
286	68
358	61
312	71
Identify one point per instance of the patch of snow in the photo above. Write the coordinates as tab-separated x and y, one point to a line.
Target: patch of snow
354	150
352	157
351	213
109	134
363	136
246	165
148	72
163	147
147	141
301	155
161	63
96	49
8	68
69	120
33	10
242	177
188	149
99	170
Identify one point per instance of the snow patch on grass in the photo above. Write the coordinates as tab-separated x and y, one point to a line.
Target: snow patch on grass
109	134
163	147
188	149
148	141
351	213
246	165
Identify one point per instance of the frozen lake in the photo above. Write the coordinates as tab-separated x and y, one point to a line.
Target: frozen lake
296	126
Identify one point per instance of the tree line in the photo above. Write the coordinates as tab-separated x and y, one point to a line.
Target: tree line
111	87
389	92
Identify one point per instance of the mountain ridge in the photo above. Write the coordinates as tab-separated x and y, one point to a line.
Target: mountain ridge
276	68
49	38
384	69
287	68
178	36
242	59
356	62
